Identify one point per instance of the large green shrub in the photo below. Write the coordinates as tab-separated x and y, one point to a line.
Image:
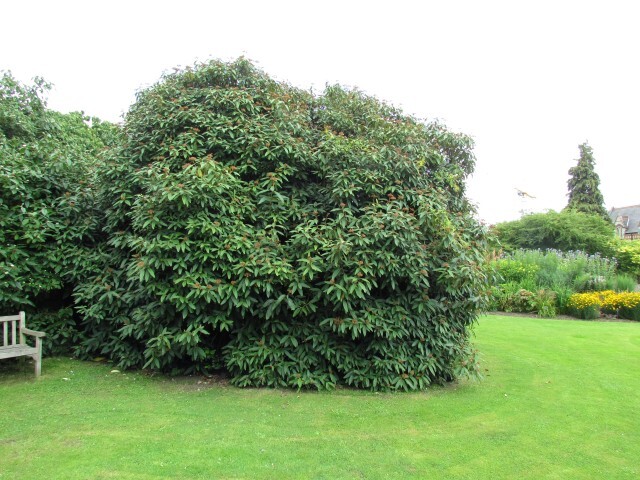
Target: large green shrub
48	214
293	240
568	230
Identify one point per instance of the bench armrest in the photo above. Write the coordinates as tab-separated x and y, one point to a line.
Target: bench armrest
33	333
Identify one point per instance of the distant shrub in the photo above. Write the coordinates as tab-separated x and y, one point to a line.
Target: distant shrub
512	270
510	297
621	283
507	298
586	282
563	293
544	303
628	255
565	231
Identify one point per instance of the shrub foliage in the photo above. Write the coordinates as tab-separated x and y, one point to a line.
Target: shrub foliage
48	209
293	240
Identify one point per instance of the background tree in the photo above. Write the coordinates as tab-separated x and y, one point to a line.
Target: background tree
584	186
565	231
292	240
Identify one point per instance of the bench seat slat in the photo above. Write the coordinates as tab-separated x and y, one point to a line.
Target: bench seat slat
17	351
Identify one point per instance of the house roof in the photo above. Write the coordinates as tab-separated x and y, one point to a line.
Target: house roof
630	216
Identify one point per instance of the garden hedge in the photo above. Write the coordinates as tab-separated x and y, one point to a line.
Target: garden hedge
49	217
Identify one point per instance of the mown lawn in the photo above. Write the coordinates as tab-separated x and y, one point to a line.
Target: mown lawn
560	399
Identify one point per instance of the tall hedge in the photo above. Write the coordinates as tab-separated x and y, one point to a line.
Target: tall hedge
290	239
48	209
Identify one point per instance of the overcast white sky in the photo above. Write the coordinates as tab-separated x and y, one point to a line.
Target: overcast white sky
528	80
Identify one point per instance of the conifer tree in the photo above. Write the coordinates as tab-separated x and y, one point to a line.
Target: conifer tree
584	185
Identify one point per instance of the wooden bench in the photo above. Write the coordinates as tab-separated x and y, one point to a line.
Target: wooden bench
13	330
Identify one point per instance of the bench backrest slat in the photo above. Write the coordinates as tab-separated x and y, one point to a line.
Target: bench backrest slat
12	335
22	325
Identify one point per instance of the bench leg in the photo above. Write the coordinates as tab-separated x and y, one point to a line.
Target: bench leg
37	359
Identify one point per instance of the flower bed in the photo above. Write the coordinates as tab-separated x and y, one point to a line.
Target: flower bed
624	304
589	305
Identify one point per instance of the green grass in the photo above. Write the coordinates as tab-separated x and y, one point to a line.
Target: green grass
560	399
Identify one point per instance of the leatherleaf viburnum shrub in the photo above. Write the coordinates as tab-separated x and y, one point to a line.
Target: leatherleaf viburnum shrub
293	240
